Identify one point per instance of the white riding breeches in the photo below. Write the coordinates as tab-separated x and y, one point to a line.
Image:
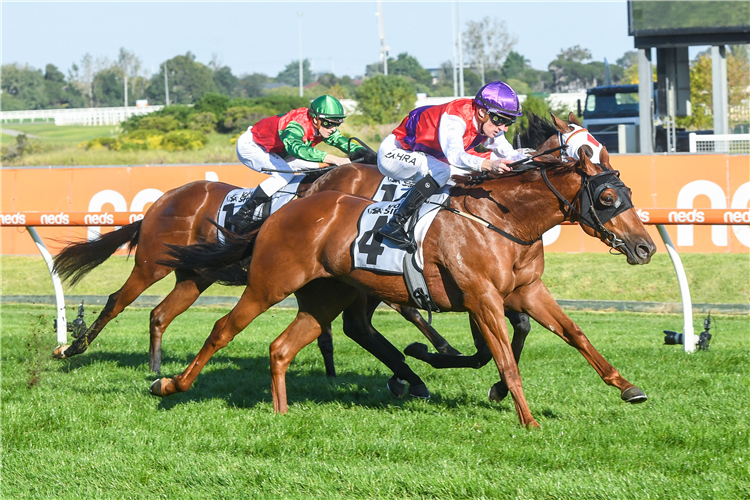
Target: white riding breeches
402	164
254	156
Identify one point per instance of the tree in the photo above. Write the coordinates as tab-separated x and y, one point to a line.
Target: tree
59	92
108	88
225	81
408	66
251	85
514	65
23	88
82	78
575	54
188	81
488	43
385	99
290	74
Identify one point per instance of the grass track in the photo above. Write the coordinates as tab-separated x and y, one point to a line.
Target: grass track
713	278
87	427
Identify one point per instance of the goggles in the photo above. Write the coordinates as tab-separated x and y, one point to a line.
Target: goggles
497	119
330	123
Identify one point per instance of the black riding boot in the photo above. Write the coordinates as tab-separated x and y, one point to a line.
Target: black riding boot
244	216
396	227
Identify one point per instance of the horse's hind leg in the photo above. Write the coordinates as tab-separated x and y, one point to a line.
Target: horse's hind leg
187	289
413	316
141	277
521	328
320	301
541	306
325	344
358	326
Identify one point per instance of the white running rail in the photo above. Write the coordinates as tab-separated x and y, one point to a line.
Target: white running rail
77	116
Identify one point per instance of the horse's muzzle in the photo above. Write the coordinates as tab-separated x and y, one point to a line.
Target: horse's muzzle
639	252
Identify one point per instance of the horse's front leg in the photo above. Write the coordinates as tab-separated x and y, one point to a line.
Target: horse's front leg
488	315
540	305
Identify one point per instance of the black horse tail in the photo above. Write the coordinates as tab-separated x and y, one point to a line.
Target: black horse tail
78	259
211	257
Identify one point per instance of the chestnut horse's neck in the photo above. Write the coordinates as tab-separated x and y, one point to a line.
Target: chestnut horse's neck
522	204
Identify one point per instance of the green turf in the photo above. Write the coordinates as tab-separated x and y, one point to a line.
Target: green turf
713	278
88	428
73	134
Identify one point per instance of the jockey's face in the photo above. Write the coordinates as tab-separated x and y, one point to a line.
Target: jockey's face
486	127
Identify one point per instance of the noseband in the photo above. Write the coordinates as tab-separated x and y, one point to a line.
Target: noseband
593	212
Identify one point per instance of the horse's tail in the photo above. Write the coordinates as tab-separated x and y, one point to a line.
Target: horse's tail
212	257
78	259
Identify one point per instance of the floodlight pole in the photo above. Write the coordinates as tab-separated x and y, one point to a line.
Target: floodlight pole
453	27
166	83
299	16
460	52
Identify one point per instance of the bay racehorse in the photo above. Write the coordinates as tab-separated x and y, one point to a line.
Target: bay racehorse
304	248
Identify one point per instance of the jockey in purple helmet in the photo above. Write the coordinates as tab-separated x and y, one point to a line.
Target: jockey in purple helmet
434	142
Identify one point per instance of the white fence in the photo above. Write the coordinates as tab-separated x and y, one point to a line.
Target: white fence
78	116
726	143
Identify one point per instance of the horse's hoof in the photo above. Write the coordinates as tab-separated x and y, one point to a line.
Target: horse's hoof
633	395
498	392
162	387
416	350
396	386
533	425
59	352
419	391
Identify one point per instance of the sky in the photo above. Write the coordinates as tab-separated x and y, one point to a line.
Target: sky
263	37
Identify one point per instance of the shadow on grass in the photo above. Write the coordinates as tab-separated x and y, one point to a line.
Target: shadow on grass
245	382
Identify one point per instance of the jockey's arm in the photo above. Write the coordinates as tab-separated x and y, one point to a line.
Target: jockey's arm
294	145
340	142
450	135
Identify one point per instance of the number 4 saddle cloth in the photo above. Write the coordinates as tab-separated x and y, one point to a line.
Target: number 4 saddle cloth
370	250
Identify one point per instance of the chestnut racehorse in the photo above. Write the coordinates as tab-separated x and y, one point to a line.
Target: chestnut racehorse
182	217
304	248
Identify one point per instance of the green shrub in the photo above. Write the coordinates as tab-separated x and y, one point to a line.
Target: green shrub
111	143
181	140
204	122
162	123
143	139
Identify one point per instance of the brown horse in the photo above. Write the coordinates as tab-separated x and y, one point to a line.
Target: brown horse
305	249
182	217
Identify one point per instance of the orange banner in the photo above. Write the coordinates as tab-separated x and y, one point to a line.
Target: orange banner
683	181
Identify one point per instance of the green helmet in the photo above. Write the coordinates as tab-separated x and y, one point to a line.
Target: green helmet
327	107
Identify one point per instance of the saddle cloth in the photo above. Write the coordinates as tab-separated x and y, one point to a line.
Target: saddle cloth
370	250
234	200
388	190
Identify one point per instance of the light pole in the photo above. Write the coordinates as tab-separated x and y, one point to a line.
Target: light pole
460	52
166	83
299	16
453	26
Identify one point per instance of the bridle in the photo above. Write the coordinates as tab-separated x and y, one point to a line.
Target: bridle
589	198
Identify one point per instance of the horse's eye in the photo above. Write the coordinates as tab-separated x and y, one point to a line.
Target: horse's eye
608	198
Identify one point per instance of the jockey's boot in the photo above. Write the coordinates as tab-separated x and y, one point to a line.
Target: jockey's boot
395	230
244	216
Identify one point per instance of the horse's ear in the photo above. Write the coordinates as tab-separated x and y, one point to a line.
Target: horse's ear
561	125
573	119
604	157
586	163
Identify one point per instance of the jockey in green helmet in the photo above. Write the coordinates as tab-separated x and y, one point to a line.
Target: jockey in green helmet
282	144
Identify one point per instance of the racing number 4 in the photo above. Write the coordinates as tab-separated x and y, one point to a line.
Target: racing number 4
374	249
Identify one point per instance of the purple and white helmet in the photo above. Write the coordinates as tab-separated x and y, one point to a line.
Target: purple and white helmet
498	97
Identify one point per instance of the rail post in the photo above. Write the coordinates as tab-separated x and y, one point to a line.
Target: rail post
62	324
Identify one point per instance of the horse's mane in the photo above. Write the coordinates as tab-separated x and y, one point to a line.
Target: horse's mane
536	134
